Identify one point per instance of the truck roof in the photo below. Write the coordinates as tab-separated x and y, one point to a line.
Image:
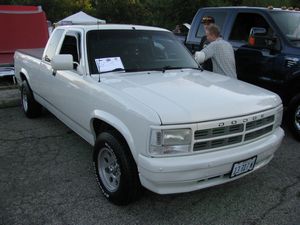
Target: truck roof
270	8
113	27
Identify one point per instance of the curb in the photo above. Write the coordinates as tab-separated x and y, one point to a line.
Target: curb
9	97
10	103
9	87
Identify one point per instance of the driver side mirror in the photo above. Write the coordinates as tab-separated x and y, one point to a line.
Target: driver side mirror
260	38
62	62
65	62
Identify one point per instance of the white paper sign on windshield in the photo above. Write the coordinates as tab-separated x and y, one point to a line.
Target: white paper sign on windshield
109	64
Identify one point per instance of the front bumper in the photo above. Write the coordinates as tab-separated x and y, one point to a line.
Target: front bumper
194	172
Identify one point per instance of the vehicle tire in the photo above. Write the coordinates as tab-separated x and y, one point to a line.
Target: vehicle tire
30	107
115	169
294	116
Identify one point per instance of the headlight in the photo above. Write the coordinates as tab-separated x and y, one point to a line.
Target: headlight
166	142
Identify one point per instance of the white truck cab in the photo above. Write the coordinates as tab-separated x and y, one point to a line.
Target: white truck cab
153	116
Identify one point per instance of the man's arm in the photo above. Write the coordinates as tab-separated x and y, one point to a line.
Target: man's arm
205	53
200	57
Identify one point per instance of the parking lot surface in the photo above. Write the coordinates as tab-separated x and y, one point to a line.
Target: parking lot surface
46	177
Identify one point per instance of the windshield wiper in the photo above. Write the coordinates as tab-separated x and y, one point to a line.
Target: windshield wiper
142	69
177	68
163	69
114	70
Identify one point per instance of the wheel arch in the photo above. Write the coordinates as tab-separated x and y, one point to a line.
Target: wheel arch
24	76
102	121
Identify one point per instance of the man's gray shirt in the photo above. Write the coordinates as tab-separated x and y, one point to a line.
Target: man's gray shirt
222	56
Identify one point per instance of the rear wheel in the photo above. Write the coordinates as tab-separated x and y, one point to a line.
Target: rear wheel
115	169
30	107
294	116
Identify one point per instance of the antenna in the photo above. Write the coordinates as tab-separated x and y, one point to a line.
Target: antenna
99	80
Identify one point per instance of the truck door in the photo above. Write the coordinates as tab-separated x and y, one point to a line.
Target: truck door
254	64
64	88
69	84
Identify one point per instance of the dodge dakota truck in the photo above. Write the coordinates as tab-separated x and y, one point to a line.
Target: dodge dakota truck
267	49
154	118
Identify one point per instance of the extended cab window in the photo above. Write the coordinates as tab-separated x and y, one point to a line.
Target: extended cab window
53	43
243	24
220	18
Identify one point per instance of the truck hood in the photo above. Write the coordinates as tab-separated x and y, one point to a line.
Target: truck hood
186	96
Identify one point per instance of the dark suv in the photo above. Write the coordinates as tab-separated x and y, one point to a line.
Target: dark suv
267	49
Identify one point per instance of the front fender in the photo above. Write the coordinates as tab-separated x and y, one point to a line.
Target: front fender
117	124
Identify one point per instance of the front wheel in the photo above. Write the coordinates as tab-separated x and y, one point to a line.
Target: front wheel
30	107
294	116
115	169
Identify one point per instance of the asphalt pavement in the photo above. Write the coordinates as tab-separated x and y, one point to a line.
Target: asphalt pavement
46	177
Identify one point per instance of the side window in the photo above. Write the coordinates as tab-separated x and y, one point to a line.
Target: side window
243	24
220	18
70	46
53	43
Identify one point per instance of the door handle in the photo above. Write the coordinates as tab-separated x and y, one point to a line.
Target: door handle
53	72
47	59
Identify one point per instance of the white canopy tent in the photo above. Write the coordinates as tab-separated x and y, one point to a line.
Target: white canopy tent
80	18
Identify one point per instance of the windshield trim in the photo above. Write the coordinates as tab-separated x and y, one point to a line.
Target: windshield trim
163	41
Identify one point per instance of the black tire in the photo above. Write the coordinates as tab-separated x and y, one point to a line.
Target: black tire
294	116
115	169
30	107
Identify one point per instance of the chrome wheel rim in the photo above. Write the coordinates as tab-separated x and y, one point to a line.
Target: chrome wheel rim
24	101
109	169
297	118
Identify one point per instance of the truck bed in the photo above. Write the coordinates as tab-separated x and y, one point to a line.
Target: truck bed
34	52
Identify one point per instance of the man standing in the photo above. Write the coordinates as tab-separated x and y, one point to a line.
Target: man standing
206	21
220	51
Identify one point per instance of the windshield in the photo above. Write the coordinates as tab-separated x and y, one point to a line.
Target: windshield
137	50
289	23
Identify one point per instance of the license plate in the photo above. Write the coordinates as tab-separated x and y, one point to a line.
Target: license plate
241	167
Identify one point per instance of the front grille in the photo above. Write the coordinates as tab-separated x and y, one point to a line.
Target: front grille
217	143
291	62
258	133
218	137
219	131
260	123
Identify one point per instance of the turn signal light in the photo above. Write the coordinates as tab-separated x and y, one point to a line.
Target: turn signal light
251	41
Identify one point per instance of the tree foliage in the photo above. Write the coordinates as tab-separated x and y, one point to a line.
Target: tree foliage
120	11
164	13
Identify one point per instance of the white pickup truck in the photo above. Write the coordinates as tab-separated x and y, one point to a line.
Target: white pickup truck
154	117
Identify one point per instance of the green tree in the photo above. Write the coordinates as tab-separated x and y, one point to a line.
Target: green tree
122	11
169	13
164	13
